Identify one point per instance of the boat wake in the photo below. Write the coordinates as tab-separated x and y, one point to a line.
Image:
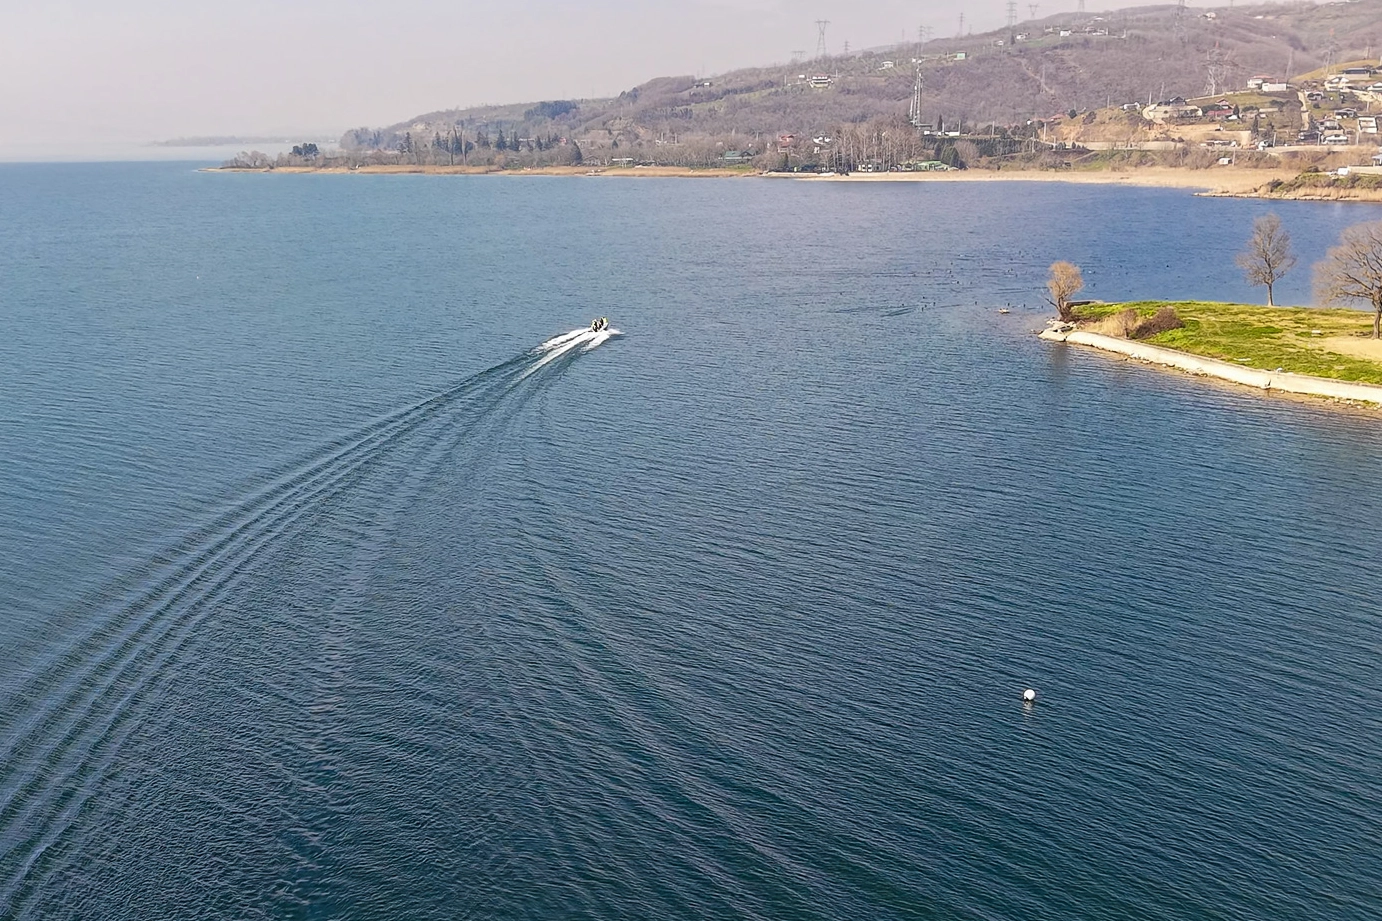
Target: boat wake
557	347
64	723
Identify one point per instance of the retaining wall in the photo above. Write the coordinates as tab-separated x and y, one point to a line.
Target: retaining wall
1224	370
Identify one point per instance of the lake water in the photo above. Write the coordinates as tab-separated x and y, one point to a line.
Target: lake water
321	596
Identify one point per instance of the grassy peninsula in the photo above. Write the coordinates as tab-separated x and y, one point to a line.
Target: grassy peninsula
1328	343
1325	186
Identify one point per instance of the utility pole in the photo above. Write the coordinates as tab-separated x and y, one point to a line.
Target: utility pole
1012	13
820	39
1032	10
962	25
915	113
1218	65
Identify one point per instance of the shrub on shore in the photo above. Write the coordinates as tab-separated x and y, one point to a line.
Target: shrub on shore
1120	324
1164	320
1131	323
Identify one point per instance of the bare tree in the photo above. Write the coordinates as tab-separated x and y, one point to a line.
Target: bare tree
1065	282
1352	271
1268	256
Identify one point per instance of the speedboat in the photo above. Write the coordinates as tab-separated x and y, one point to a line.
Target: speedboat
599	324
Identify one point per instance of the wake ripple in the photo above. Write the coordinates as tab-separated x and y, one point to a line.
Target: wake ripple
78	707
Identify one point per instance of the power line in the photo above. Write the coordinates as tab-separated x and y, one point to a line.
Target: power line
820	40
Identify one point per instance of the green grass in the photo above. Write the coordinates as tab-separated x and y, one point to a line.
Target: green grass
1267	338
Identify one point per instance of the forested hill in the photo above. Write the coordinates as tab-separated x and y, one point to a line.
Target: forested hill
1036	69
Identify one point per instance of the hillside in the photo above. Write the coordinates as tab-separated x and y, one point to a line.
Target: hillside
997	84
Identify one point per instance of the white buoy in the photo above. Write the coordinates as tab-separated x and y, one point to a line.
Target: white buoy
1028	695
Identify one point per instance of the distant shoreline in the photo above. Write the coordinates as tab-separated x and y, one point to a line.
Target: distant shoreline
1219	181
430	170
1213	182
1230	182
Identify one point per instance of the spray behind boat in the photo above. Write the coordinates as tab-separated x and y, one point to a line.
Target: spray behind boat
584	339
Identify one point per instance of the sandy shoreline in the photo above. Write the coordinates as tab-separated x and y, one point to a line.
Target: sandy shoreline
1223	181
1269	381
1218	180
404	170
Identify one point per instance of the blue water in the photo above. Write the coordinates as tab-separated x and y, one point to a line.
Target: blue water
322	600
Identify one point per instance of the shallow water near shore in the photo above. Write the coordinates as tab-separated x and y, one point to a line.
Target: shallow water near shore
330	591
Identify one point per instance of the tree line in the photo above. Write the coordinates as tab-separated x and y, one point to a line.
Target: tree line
1349	274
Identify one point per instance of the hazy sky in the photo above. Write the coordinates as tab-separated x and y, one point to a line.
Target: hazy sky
101	77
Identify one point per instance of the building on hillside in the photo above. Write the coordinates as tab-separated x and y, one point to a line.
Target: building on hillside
1172	110
821	81
1367	124
1276	87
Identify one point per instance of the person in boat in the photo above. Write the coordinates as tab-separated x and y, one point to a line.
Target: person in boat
599	324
